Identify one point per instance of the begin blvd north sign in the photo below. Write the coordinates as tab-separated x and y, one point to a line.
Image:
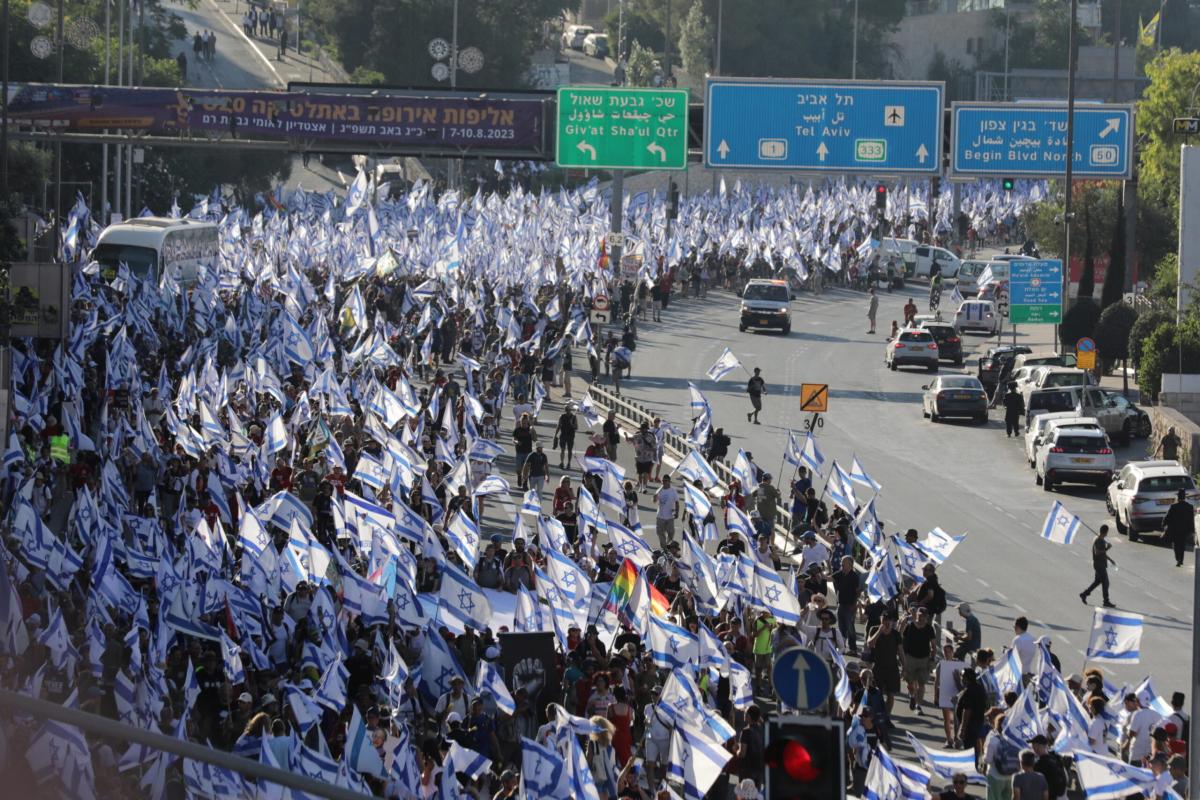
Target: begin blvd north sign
605	127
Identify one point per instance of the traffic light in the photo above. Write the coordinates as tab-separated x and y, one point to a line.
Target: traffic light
881	197
1007	183
806	758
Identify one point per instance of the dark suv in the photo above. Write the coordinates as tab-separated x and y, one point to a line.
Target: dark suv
996	360
949	343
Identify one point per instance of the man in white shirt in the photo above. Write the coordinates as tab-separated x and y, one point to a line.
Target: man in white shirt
814	552
1024	644
1136	730
667	498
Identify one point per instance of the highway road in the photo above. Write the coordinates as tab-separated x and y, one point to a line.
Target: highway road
963	478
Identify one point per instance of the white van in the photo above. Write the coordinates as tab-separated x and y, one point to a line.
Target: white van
926	254
153	246
978	315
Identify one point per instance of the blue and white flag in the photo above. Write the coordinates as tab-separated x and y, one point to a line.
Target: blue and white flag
771	593
856	742
947	763
463	600
889	779
439	665
697	760
794	452
938	545
671	646
1104	778
1061	525
630	545
694	467
492	484
1116	636
463	535
746	473
724	365
276	436
489	679
543	773
361	755
860	476
867	528
465	760
811	455
840	490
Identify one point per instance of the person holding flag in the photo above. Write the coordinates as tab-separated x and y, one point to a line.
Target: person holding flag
1100	561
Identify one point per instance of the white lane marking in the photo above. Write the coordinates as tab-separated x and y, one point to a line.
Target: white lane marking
957	567
983	583
1002	596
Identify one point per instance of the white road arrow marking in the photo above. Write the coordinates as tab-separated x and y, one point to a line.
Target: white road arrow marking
723	148
655	147
584	147
922	154
822	151
1114	125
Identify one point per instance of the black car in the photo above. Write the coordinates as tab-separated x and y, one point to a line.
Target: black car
997	360
949	343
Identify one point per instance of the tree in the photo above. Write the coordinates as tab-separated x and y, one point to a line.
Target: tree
1079	321
641	65
1140	331
1161	353
1112	334
696	42
1172	75
1087	279
1114	276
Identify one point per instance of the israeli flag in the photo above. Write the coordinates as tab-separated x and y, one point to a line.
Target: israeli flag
671	646
697	760
276	436
697	503
889	779
947	763
463	535
694	467
810	454
938	545
356	195
488	679
724	365
438	665
1104	778
1116	637
860	476
771	593
361	755
840	490
867	528
530	503
463	600
745	472
883	583
1061	525
465	760
543	772
530	616
492	484
629	545
794	453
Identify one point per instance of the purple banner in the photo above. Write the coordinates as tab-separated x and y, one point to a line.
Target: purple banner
504	125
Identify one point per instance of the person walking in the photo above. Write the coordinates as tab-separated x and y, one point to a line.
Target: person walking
1014	407
282	42
564	435
1100	562
756	387
667	500
872	308
1180	525
181	61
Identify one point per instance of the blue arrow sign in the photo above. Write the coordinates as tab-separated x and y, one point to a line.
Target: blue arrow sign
879	127
1035	283
1030	139
802	679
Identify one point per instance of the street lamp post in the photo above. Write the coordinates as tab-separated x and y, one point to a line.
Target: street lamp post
1067	205
717	55
854	46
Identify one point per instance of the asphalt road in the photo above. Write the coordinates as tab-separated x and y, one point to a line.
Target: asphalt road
964	478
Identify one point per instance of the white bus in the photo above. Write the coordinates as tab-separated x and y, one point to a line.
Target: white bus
149	246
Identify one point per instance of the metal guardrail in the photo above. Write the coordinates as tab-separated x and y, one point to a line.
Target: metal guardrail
635	414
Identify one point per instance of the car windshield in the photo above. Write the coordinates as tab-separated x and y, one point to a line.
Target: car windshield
766	291
1118	400
1064	379
1080	444
941	331
914	336
600	39
141	261
961	382
1166	483
970	269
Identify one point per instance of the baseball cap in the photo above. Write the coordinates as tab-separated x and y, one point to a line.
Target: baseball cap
245	697
453	716
269	698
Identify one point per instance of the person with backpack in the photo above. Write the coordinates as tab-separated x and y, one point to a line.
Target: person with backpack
1050	766
1001	760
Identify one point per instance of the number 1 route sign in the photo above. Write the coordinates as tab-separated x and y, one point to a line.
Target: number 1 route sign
604	127
880	127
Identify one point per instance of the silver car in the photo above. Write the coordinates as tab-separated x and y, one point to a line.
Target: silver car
955	396
912	346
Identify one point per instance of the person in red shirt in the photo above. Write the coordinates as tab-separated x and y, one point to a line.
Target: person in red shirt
281	476
337	478
211	513
563	495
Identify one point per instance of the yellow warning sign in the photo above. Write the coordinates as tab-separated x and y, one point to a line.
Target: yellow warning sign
814	397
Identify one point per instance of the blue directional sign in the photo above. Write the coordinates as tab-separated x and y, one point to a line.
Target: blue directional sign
1030	140
1035	291
879	127
802	679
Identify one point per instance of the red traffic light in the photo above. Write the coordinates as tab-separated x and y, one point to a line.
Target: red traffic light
880	189
798	763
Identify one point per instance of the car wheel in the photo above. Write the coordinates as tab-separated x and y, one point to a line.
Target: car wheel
1047	484
787	329
1143	427
1121	528
932	416
1133	535
1127	432
892	366
742	328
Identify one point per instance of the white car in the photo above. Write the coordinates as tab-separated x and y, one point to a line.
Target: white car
1040	427
912	346
574	35
968	273
978	315
1143	491
1075	455
926	254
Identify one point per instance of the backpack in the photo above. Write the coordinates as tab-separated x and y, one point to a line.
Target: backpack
937	603
1008	760
1051	767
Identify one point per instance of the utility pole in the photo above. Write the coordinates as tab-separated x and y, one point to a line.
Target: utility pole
854	46
57	144
1067	205
667	48
104	147
1116	54
4	100
118	150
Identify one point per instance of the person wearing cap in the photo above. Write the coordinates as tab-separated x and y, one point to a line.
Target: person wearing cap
970	638
509	788
1177	765
766	504
1179	525
813	552
1050	766
452	702
1029	784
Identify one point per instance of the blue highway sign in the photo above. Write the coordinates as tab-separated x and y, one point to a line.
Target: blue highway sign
879	127
1035	291
1030	140
802	679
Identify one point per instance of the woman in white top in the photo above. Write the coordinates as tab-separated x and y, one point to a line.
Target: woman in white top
945	689
1098	728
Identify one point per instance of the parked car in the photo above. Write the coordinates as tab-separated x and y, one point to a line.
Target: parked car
926	254
1074	455
596	45
1060	398
978	315
912	346
574	36
993	363
955	396
905	253
1143	491
1133	420
1044	359
968	271
1039	426
948	340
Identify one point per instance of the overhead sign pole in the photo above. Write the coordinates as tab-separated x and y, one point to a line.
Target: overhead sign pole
878	127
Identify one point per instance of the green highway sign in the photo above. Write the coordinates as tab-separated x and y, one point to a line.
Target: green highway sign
1035	291
605	127
1020	314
